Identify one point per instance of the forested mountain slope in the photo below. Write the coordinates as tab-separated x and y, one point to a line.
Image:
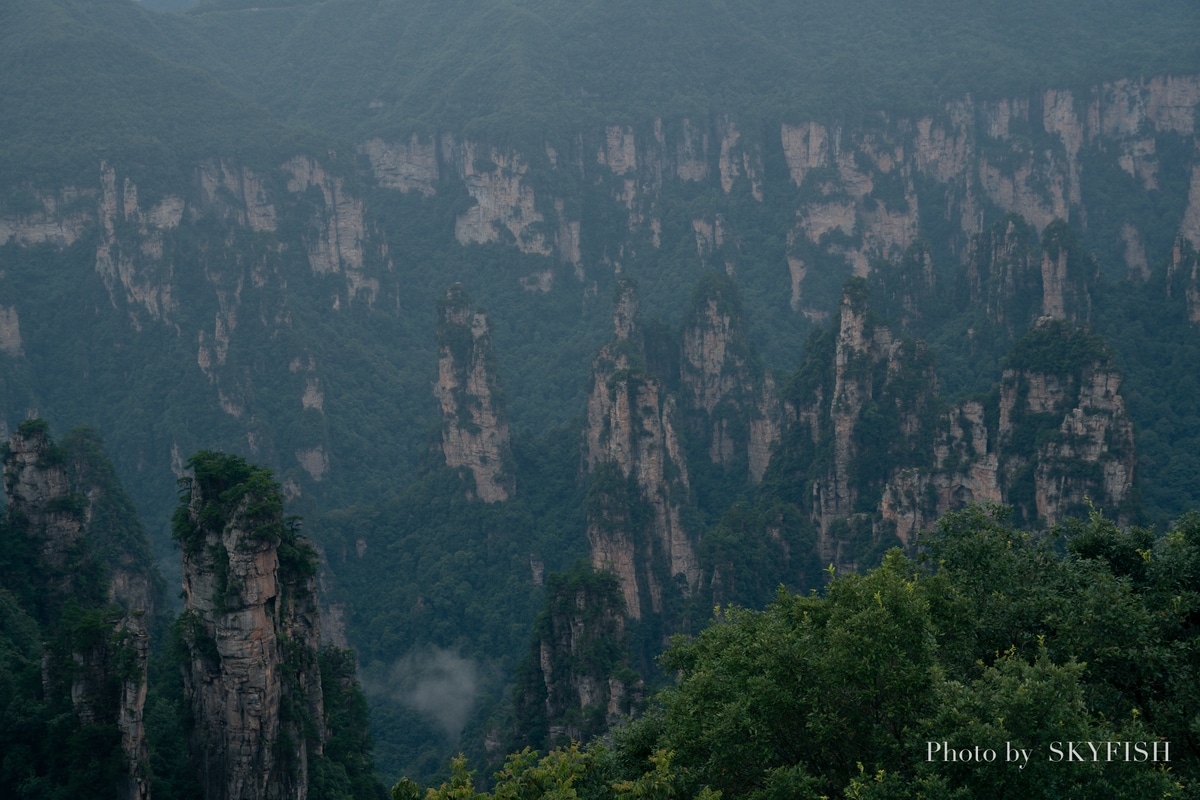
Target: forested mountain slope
886	261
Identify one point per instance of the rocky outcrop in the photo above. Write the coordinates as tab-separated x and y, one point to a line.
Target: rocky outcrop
1183	277
1065	437
130	254
505	207
89	551
872	408
40	496
1068	273
340	240
474	427
579	680
233	192
864	191
1016	281
965	470
729	395
878	451
1061	439
251	628
407	166
640	481
1001	274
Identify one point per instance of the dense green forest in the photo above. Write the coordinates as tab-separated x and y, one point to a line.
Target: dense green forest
249	212
982	668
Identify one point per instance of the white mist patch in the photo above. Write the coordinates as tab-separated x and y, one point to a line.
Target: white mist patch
437	683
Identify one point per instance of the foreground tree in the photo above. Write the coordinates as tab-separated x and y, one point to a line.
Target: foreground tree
997	664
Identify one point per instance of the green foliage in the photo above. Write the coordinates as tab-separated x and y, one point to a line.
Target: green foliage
1056	347
578	636
995	639
228	490
345	770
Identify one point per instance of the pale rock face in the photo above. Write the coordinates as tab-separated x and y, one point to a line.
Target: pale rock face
567	240
631	425
1135	252
38	492
136	266
338	245
707	238
407	166
136	781
766	430
39	489
716	375
797	272
818	219
999	116
887	233
805	147
1186	264
1015	193
732	167
692	154
834	493
60	220
1138	160
313	396
1054	275
475	432
502	202
1190	227
236	683
613	550
314	461
1172	102
1059	117
1097	421
576	624
620	151
973	478
943	153
219	182
704	350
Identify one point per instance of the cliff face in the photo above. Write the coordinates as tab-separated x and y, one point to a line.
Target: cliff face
251	627
865	191
90	553
270	241
1183	277
635	527
886	455
863	406
579	680
730	397
35	481
474	428
1001	273
1062	392
664	412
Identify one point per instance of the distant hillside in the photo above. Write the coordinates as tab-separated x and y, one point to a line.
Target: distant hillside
846	223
